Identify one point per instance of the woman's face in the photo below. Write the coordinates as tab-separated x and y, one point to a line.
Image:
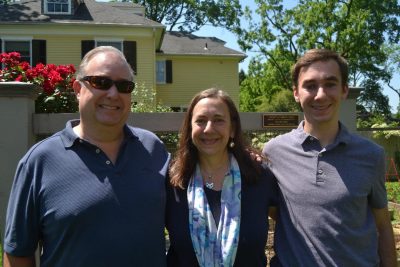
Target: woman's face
211	127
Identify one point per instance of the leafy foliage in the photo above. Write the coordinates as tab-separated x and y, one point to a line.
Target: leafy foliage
191	15
386	133
357	29
56	81
379	121
365	120
258	139
393	191
380	105
144	100
392	67
282	101
263	81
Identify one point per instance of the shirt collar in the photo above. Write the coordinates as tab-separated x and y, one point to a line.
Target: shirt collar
68	136
343	136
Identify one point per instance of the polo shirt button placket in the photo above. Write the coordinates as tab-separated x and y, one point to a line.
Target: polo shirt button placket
320	171
320	176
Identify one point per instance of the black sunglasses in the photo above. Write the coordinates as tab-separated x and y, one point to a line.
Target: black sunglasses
105	83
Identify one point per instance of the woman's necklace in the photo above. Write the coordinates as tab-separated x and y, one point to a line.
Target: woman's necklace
209	183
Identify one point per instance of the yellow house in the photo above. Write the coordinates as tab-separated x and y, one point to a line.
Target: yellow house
177	65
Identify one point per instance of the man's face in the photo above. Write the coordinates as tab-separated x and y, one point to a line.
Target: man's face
104	107
320	92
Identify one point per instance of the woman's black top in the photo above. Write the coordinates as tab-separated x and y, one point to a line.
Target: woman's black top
255	200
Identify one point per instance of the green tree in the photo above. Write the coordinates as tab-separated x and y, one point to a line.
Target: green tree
282	101
380	105
264	80
242	76
357	29
191	15
393	67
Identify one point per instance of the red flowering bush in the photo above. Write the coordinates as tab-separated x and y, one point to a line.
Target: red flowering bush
57	95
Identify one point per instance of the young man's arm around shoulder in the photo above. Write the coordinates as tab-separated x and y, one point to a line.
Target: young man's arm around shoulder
386	246
13	261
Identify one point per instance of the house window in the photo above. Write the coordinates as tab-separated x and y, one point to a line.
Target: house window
58	6
126	47
23	47
161	73
116	44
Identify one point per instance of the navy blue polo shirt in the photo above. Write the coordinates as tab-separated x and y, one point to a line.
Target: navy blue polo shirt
86	210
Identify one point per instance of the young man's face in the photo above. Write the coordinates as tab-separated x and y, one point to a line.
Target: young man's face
319	92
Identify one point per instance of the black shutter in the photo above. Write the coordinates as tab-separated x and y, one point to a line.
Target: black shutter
168	67
1	48
38	52
130	54
86	46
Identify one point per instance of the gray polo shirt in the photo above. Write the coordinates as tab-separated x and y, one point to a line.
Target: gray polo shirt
327	197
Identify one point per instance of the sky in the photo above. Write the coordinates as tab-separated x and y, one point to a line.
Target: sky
231	42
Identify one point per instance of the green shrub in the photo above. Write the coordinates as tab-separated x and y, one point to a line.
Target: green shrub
258	139
393	191
145	100
170	140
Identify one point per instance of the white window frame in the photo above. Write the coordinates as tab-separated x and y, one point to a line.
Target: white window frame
110	40
5	39
162	72
46	9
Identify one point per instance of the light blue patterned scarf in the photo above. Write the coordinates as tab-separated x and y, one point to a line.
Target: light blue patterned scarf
215	247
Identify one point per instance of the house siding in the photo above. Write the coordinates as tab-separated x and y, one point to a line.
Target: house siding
64	43
63	50
146	62
194	74
190	74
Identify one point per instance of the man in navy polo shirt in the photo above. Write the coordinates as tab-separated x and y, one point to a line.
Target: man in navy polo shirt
92	194
333	210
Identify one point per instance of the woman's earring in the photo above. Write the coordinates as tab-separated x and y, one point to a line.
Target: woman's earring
231	143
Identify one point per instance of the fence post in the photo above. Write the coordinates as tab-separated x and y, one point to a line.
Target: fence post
17	105
348	115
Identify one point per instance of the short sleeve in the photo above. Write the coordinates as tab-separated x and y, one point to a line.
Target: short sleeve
378	197
22	223
271	186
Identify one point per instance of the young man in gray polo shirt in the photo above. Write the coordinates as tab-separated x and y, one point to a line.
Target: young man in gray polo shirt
333	210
